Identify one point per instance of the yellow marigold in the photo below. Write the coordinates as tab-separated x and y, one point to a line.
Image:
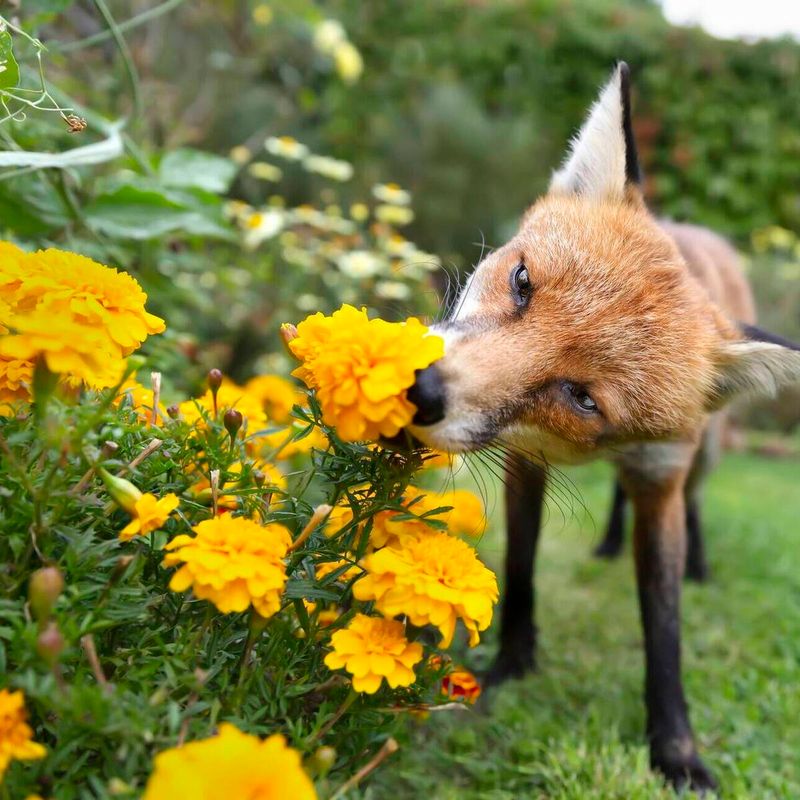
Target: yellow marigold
434	580
372	649
273	479
141	400
233	562
16	736
466	517
16	377
81	317
327	567
229	395
149	514
277	396
231	764
362	369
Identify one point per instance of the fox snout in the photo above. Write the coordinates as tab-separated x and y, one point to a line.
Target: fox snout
429	396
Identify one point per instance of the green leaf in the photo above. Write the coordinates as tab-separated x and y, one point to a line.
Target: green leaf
9	69
137	212
188	168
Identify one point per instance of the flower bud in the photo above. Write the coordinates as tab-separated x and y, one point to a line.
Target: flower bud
173	411
287	333
44	588
233	420
322	761
50	643
214	380
259	478
123	492
108	449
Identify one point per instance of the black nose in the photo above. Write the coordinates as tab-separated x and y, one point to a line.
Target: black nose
427	394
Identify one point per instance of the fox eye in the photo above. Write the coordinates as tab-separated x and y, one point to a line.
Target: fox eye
581	398
521	284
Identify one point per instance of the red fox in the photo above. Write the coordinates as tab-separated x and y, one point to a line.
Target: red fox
599	331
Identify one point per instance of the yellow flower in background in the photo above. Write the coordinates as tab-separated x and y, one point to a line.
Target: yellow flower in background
359	212
466	517
16	736
348	62
392	194
149	514
229	395
141	400
239	154
231	764
260	226
328	34
286	147
433	580
360	264
277	395
265	172
262	14
80	317
16	378
362	369
372	649
394	215
333	168
233	562
327	567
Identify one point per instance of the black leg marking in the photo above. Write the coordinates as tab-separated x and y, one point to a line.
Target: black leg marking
524	498
659	544
612	543
696	564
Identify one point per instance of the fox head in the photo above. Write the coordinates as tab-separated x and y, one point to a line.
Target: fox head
586	329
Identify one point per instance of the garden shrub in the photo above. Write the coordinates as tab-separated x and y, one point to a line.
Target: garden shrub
184	578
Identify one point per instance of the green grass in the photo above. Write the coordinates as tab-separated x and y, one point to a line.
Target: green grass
574	730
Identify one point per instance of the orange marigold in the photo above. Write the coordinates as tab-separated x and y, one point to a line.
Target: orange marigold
372	649
80	317
434	580
233	562
231	764
16	736
361	369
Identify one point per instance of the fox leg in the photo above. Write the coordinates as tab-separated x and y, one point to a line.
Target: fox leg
656	489
611	546
525	484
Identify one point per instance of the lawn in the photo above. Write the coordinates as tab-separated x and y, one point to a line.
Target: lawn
574	730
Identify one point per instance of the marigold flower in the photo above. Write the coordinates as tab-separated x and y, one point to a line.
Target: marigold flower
372	649
466	517
362	369
16	736
233	562
434	580
149	514
80	317
16	379
141	400
461	684
277	395
231	764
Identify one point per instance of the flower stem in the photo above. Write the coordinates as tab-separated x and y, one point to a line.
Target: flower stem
389	746
337	715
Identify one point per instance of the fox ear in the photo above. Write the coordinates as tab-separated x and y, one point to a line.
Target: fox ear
754	367
602	160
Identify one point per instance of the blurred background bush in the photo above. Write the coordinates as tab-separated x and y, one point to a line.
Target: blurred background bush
466	105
